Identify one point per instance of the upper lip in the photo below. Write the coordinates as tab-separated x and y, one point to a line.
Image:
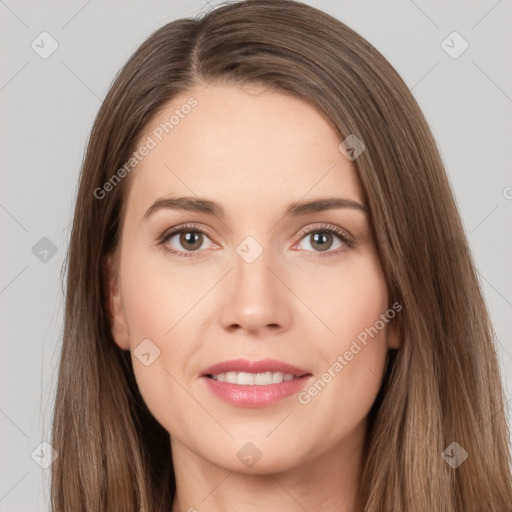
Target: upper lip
261	366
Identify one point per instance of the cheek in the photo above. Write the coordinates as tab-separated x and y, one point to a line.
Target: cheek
354	305
157	294
343	395
348	297
159	312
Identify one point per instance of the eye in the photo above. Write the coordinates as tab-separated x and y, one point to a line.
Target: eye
187	240
322	238
190	238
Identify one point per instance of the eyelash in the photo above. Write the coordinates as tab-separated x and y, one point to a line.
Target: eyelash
341	233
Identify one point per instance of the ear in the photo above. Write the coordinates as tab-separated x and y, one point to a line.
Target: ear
114	303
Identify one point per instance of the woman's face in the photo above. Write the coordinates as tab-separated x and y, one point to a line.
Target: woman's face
251	279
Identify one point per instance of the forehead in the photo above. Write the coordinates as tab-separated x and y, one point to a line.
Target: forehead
246	147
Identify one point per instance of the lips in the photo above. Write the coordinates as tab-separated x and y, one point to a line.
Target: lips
245	383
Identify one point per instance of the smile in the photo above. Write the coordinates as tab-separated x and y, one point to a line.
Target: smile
253	379
244	383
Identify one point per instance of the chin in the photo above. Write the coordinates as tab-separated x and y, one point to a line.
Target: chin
258	457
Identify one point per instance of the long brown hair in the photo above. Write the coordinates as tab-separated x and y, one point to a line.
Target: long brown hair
442	386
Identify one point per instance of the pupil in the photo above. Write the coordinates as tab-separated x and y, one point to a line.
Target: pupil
191	238
323	239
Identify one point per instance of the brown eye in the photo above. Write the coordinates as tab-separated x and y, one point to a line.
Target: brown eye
191	240
184	241
325	240
321	240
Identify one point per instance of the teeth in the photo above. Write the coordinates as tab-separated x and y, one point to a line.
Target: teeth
253	379
277	377
245	379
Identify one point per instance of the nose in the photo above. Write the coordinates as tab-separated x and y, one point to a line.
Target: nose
255	298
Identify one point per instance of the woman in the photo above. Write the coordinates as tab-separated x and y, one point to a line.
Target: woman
271	302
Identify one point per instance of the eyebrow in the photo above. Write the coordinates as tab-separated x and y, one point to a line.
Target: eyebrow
209	207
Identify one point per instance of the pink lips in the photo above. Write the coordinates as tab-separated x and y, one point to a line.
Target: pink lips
254	395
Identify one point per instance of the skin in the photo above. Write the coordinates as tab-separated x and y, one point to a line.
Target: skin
254	151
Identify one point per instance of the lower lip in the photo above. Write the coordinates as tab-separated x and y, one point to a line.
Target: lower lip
255	396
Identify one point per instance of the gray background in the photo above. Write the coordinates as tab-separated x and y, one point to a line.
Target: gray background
47	109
